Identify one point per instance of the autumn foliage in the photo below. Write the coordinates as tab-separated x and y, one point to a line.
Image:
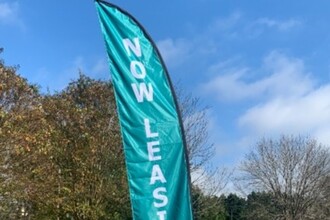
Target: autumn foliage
60	154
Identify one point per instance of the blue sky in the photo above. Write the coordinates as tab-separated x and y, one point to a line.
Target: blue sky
263	66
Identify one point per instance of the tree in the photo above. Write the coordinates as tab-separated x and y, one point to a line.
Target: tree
23	137
260	206
208	206
293	169
207	181
86	152
61	154
321	210
234	207
194	116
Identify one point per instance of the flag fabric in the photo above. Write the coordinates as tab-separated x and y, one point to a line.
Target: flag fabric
151	128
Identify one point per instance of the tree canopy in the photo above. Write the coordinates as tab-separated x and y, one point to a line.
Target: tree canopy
294	169
61	154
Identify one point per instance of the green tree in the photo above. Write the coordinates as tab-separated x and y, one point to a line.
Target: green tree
23	140
234	207
208	206
61	154
260	206
86	152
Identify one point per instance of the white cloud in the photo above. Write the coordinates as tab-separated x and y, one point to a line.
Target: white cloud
259	26
5	10
224	28
287	100
237	25
284	25
207	41
100	67
284	77
229	86
200	43
306	114
174	52
294	103
9	14
226	23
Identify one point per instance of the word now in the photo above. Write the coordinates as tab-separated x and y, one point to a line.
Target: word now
144	92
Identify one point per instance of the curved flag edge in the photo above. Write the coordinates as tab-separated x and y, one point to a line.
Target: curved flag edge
167	76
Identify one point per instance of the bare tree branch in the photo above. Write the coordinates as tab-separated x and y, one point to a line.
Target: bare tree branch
294	169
